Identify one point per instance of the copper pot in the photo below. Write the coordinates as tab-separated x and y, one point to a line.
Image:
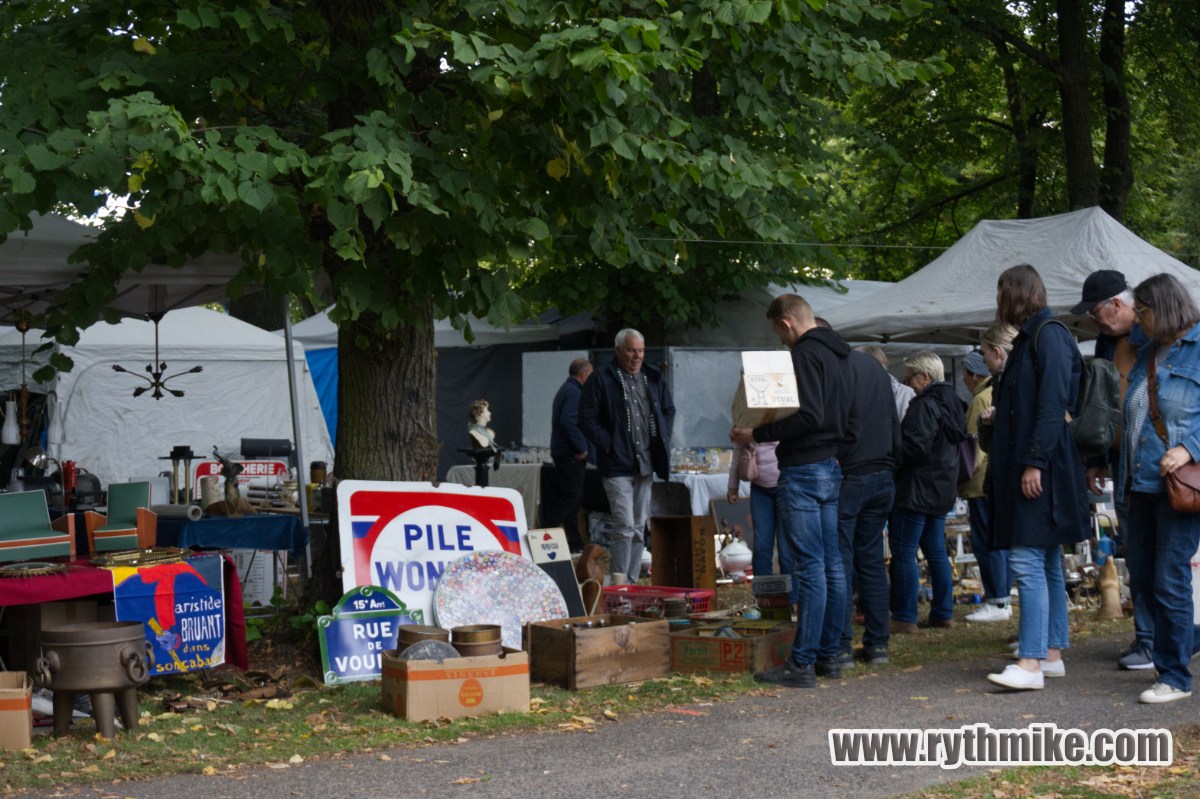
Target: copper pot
416	633
476	634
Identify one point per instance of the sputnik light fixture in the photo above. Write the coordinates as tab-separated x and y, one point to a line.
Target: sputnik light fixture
157	384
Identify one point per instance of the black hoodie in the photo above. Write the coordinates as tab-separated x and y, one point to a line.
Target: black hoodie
825	381
874	423
927	478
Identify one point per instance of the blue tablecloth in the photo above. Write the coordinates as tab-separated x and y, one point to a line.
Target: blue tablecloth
261	531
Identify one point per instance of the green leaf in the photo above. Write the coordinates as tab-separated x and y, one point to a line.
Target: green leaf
650	37
653	151
912	8
43	159
625	146
256	193
464	52
342	215
534	228
22	181
818	5
358	186
187	19
756	12
726	13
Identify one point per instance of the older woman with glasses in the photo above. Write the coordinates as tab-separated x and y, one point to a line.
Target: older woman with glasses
1039	502
1161	430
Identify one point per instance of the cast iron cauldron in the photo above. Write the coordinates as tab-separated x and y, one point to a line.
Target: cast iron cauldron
107	660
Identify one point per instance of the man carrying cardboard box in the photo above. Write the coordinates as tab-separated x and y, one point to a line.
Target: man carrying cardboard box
809	483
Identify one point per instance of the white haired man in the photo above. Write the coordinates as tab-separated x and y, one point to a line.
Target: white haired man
627	412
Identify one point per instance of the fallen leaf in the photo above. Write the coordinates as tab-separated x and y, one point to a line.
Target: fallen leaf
911	669
209	771
1178	770
92	769
1028	716
962	690
295	759
584	719
314	719
210	706
999	794
110	754
384	757
279	704
608	714
101	739
155	737
919	698
537	701
278	765
43	759
465	781
461	740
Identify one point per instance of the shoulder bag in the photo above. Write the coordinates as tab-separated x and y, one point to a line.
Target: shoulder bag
1183	485
748	464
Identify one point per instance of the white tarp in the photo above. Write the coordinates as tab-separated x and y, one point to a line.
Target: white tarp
34	267
242	392
953	299
318	333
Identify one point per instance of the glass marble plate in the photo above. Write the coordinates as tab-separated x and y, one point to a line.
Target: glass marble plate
497	588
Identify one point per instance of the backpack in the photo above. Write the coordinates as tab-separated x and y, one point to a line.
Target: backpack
1098	411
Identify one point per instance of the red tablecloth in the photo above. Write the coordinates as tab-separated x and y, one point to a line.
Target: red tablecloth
87	580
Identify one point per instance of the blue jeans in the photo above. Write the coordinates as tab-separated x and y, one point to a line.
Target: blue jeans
768	529
994	571
1159	557
910	530
864	503
1143	611
1038	572
807	503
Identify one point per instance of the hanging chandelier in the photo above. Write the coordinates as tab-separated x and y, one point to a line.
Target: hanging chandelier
157	383
14	430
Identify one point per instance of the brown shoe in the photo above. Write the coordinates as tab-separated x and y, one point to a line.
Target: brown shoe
944	624
902	628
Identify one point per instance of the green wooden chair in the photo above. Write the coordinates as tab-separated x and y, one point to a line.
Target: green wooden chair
26	532
130	523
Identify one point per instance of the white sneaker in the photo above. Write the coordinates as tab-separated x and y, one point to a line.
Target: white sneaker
1017	679
991	612
1160	693
1055	669
1014	646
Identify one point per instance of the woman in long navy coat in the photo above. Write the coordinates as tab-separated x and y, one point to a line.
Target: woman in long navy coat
1038	484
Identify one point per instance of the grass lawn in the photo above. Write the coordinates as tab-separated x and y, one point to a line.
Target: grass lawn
316	723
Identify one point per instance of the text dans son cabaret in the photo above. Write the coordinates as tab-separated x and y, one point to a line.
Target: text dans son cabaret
416	575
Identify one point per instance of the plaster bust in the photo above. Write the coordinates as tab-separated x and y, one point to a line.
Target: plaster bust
482	436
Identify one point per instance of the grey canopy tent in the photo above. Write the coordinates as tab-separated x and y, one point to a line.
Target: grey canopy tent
953	299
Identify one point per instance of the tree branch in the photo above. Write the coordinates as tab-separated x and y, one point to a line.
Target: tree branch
1003	176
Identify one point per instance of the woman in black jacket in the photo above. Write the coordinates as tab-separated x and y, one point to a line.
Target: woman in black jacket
1039	494
926	486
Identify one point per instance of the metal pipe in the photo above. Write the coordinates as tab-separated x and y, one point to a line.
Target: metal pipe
301	483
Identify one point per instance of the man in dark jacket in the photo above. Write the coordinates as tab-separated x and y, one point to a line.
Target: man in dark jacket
627	412
569	449
1108	300
864	502
809	480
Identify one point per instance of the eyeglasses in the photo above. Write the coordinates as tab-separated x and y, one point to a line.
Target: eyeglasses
1094	313
1139	311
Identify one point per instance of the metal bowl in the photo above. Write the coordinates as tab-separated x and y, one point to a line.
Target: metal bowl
415	633
479	649
476	634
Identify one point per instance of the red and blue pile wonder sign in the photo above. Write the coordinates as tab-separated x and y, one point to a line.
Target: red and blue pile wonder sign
402	536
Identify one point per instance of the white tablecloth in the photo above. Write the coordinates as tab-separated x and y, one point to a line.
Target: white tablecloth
524	477
705	487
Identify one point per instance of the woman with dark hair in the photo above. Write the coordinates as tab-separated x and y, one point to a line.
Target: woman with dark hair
1039	502
1161	431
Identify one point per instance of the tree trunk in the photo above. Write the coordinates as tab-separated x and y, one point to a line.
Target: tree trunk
387	423
261	309
1027	154
1083	185
1116	176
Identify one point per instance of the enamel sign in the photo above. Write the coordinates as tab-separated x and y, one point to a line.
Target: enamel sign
402	536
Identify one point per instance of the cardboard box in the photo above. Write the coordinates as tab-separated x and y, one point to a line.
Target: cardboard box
766	391
16	711
424	690
763	645
627	649
682	552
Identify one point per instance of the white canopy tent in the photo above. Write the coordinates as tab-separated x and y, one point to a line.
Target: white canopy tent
34	267
242	392
953	299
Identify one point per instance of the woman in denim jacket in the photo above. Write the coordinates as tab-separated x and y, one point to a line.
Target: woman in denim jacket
1161	542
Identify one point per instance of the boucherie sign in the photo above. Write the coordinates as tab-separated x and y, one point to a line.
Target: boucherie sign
266	472
401	536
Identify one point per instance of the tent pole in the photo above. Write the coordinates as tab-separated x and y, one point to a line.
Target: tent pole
301	483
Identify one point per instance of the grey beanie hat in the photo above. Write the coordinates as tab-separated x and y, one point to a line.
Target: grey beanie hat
973	363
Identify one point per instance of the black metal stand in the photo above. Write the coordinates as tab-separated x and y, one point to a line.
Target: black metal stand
481	457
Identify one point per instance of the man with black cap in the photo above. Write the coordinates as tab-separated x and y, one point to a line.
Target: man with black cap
994	571
1108	300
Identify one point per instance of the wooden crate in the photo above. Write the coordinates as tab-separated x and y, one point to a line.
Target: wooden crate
683	553
611	655
763	645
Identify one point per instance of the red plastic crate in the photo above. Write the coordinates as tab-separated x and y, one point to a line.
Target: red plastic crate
636	598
